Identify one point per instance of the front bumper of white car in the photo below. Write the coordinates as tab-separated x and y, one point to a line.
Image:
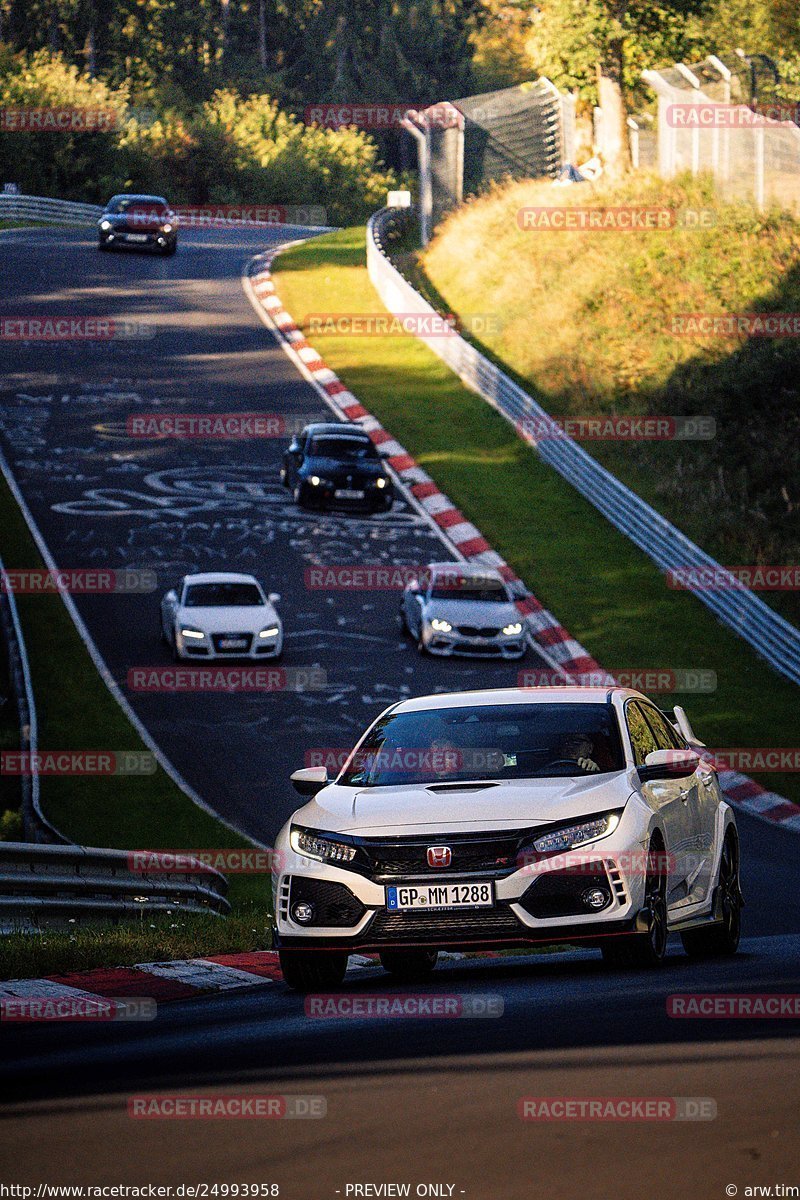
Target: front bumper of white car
234	645
585	894
455	641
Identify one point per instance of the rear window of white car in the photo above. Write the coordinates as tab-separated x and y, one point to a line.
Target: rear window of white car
487	742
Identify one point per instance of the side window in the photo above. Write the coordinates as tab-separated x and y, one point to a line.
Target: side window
666	736
642	738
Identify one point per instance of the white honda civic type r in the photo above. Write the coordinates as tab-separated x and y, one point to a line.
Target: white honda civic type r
508	818
221	614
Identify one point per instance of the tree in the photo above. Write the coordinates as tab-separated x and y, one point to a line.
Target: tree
600	47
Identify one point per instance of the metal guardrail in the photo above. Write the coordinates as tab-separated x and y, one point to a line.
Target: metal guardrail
42	208
768	633
41	886
35	824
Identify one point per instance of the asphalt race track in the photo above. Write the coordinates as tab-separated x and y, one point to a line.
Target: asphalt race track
408	1101
103	499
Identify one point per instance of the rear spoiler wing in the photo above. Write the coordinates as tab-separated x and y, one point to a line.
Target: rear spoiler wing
681	722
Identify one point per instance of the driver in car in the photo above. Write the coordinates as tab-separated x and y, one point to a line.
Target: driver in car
579	746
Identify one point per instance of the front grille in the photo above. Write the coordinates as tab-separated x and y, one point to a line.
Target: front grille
218	638
335	904
488	631
495	854
465	925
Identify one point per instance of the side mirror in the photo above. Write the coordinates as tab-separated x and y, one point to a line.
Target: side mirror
274	597
413	586
669	764
309	780
171	596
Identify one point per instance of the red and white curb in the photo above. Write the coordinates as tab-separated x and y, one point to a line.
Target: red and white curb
563	652
166	981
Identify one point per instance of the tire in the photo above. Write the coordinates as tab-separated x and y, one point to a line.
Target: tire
721	940
409	966
645	949
168	251
299	499
313	970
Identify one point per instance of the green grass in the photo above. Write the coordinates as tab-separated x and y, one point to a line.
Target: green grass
153	939
76	711
608	594
583	321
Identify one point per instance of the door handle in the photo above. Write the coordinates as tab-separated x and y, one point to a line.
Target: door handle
706	778
684	794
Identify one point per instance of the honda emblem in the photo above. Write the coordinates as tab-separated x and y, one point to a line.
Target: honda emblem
439	856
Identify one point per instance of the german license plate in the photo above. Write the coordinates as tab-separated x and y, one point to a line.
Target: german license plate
135	237
348	494
232	643
439	895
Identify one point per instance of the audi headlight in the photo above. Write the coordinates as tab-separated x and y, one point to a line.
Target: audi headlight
576	835
441	626
193	633
318	481
272	632
381	482
314	845
166	228
514	628
106	225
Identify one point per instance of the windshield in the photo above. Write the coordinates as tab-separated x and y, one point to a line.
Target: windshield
222	595
352	449
150	204
466	590
488	742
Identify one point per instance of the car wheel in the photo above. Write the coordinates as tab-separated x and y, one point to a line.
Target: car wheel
168	251
645	949
409	965
298	497
722	938
313	970
173	644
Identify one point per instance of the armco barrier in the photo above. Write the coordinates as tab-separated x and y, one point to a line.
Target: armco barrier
35	824
769	634
46	885
41	208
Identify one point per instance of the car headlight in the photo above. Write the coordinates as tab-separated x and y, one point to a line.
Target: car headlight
576	835
441	626
325	849
106	225
192	633
514	628
272	632
318	481
381	483
166	228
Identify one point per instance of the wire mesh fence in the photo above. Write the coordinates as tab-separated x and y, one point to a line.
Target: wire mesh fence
713	117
